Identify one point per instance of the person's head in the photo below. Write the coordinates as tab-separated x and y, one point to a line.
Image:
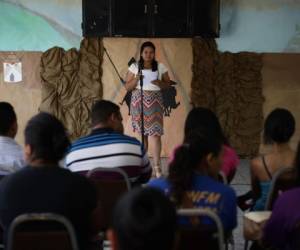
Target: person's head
107	114
279	126
46	140
8	120
143	219
147	54
201	153
203	119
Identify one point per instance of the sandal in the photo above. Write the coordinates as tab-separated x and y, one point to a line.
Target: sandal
157	171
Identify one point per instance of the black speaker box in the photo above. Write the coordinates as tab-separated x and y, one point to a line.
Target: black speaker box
150	18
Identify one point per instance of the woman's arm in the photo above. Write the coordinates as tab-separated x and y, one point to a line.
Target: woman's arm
165	81
131	81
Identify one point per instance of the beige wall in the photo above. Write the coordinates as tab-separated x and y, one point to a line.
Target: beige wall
26	95
281	83
281	86
176	54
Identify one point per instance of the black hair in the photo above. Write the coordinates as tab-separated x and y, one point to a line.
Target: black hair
102	110
279	126
144	219
205	120
187	159
141	61
7	117
47	137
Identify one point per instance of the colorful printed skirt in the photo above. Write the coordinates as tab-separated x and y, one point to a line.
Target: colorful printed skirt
153	112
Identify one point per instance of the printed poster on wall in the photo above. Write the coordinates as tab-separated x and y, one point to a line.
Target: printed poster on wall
12	72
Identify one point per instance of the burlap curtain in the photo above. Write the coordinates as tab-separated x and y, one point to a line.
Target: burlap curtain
71	82
230	84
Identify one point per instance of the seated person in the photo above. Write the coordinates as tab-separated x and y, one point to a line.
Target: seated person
108	147
44	187
193	179
11	153
279	231
205	120
278	129
143	219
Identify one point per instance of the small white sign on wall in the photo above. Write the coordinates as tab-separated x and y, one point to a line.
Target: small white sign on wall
12	72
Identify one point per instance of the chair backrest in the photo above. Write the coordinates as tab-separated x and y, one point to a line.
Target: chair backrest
109	189
284	179
45	231
204	236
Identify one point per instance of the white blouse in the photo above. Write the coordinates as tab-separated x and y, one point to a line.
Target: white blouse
149	76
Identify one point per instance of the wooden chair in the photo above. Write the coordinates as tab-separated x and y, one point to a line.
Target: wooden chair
111	184
202	236
41	231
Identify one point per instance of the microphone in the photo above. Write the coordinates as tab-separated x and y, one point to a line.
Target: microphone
131	61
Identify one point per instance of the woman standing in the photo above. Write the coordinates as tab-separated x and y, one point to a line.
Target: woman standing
155	77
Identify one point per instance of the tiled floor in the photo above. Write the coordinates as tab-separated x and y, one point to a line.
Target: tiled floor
241	184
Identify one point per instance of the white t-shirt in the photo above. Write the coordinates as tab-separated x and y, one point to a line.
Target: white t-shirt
149	76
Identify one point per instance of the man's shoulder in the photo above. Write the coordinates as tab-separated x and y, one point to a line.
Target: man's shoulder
103	139
130	139
9	145
14	177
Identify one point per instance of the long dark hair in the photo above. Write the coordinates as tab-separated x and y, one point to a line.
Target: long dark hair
187	158
279	126
205	120
141	61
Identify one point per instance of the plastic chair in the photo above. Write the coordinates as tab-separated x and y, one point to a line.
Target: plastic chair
202	236
283	180
111	184
45	231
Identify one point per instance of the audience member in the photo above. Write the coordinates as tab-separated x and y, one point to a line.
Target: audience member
144	219
11	153
193	178
278	129
108	147
205	120
279	231
43	186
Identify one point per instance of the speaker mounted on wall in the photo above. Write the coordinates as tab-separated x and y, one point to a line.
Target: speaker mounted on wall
150	18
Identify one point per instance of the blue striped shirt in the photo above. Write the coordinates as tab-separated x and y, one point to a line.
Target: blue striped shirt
108	149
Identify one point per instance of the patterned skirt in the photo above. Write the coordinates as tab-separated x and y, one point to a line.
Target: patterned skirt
153	112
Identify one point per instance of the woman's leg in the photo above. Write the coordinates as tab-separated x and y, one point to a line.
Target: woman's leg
156	155
146	143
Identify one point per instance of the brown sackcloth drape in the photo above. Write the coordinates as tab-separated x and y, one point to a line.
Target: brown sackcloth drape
71	82
230	84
